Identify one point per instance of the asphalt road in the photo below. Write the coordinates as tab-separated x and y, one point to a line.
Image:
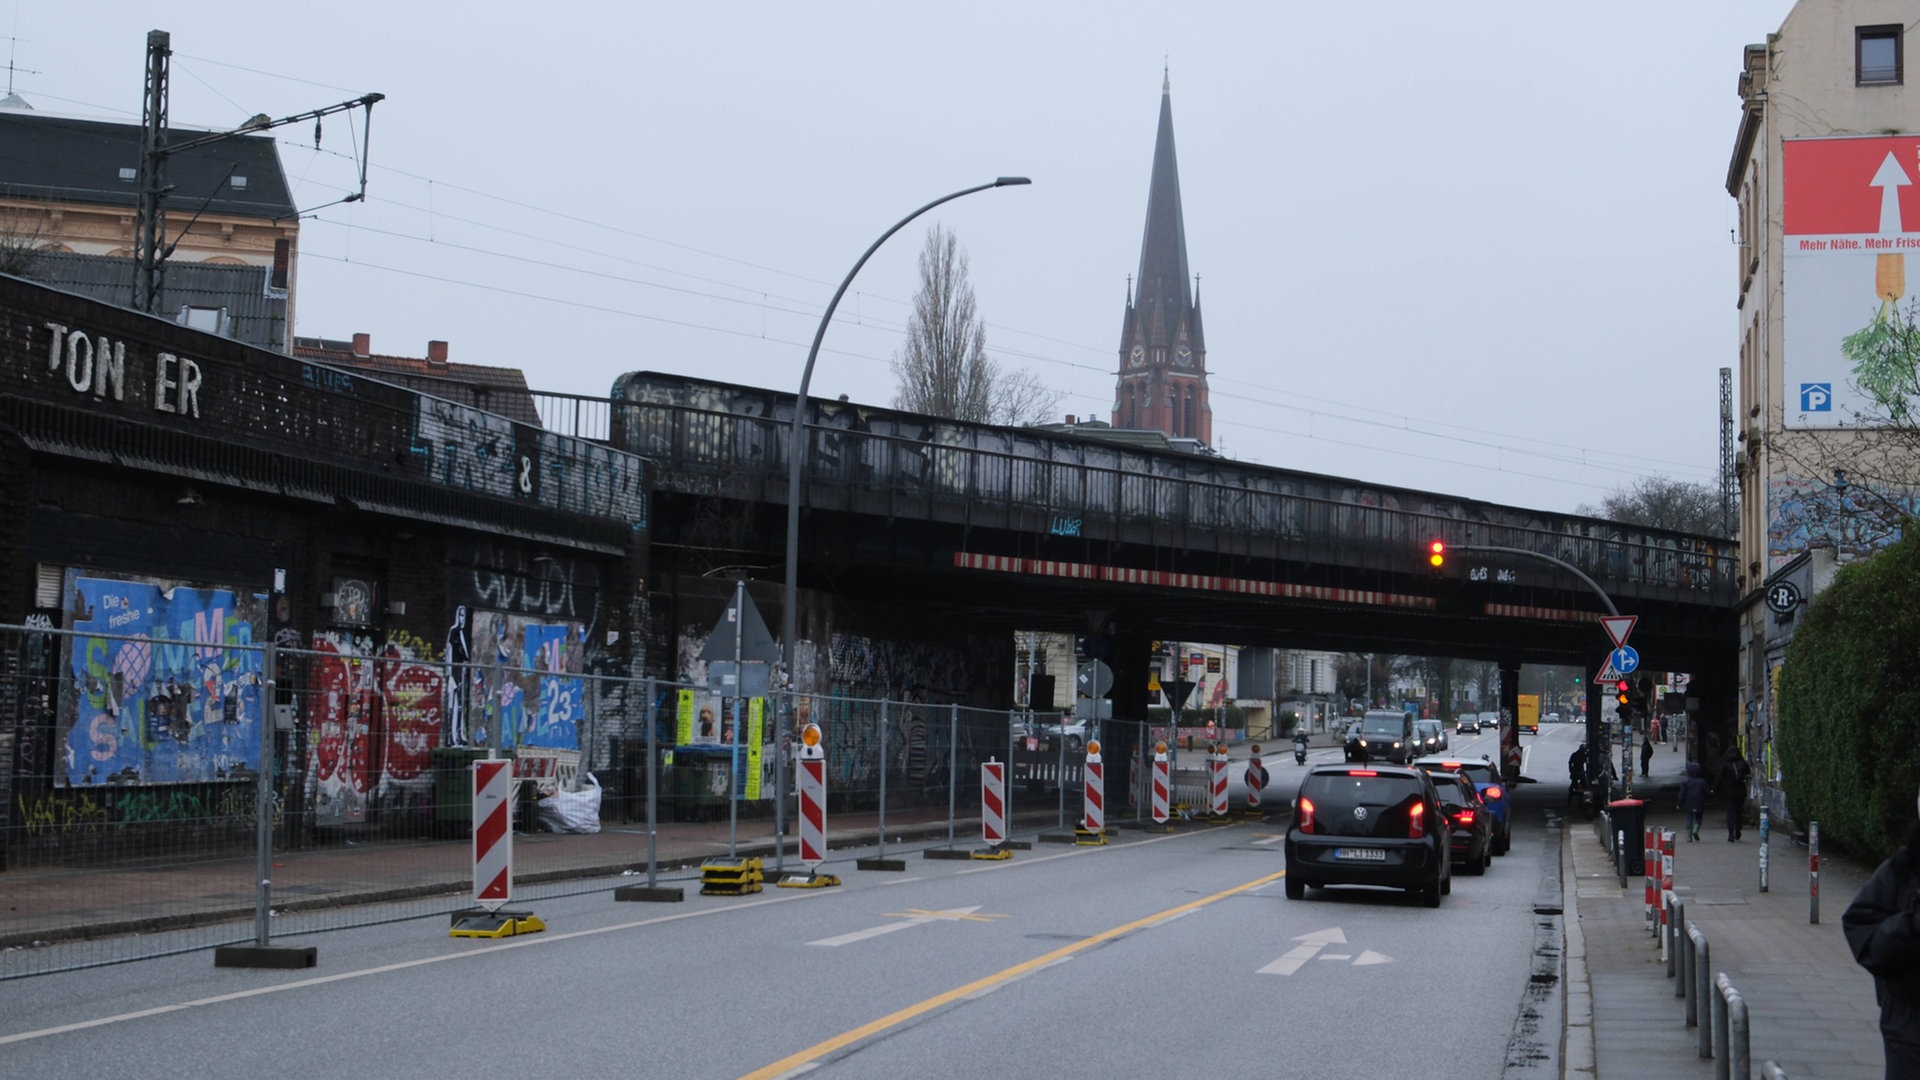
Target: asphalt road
1165	953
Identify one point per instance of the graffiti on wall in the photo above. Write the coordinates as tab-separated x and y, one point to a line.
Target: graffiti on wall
468	448
1810	513
341	725
410	683
165	699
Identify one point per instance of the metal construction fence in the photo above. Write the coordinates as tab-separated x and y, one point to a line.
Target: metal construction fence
165	795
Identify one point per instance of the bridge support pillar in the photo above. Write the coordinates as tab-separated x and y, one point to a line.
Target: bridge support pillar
1509	720
1131	658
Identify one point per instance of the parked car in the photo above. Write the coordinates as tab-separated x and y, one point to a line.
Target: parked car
1469	822
1383	735
1355	825
1073	731
1429	737
1486	782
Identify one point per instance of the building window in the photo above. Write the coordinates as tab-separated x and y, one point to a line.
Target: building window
1877	55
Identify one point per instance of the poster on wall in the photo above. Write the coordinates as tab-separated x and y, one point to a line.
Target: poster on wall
527	689
173	695
1850	219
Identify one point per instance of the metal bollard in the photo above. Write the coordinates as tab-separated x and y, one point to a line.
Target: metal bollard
1620	857
1676	945
1689	1008
1732	1056
1701	1007
1770	1071
1813	872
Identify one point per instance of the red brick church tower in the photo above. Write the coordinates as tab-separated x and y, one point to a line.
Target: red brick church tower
1163	354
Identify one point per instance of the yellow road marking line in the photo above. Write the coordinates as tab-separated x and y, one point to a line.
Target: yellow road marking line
847	1038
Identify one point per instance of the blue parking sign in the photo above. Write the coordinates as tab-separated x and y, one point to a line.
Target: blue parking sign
1816	397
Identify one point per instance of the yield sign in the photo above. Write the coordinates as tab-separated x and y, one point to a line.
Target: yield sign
1618	627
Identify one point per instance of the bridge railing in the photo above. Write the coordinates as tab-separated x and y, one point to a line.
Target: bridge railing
707	436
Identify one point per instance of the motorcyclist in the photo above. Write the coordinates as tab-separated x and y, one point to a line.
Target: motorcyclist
1577	773
1300	746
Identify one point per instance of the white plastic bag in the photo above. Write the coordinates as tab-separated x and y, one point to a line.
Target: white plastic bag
572	811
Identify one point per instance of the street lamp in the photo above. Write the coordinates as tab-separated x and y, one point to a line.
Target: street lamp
796	446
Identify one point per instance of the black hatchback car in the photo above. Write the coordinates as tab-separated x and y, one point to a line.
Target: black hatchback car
1469	822
1369	825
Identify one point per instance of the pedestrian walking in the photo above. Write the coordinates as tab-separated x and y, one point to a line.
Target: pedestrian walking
1693	798
1883	931
1731	784
1646	756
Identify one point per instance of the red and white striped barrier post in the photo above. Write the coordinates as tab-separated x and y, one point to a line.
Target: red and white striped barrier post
1650	873
812	785
1256	779
1666	875
1217	779
1093	822
1160	792
993	803
492	833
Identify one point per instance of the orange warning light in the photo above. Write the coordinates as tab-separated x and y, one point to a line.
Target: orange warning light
810	735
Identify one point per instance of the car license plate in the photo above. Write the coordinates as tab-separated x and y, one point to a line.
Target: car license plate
1364	854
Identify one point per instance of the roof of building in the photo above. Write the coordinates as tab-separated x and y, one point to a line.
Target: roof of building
499	390
255	314
64	159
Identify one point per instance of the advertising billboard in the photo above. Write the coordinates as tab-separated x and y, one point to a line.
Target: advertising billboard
1850	219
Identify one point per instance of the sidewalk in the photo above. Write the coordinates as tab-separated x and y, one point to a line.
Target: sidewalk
1811	1009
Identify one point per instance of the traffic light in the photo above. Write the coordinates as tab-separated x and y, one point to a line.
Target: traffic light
1623	694
1437	555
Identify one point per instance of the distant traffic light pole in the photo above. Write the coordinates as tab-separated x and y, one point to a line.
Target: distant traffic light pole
1437	559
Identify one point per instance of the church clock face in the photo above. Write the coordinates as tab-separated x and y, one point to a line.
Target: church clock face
1183	356
1137	357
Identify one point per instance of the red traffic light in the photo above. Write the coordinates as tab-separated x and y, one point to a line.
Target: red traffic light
1620	692
1437	554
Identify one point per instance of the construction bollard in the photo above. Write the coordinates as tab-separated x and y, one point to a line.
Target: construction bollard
1217	780
1093	826
1813	871
1160	793
735	877
1256	780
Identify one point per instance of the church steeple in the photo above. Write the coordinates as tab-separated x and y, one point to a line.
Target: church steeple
1163	375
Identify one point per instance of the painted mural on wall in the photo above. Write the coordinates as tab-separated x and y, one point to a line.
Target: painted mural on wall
525	684
340	718
411	684
1807	513
179	701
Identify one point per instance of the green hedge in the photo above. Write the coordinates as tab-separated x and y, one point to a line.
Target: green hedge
1848	728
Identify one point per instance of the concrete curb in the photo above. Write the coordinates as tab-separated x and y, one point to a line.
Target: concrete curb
1576	1052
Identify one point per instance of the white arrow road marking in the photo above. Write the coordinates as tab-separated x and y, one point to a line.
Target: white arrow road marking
1291	961
1296	958
916	917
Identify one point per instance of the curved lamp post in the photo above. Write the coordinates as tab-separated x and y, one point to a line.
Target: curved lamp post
796	445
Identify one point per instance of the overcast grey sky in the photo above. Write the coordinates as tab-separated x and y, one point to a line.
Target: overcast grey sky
1481	249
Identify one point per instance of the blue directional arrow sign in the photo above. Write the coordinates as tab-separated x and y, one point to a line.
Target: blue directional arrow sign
1624	659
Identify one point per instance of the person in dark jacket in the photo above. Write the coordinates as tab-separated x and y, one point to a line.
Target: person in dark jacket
1646	756
1730	783
1693	798
1883	930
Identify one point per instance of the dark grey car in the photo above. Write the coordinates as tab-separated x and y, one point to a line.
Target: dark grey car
1362	825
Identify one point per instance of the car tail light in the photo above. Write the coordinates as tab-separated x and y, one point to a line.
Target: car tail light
1304	819
1463	817
1417	821
1450	766
1492	792
1363	772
